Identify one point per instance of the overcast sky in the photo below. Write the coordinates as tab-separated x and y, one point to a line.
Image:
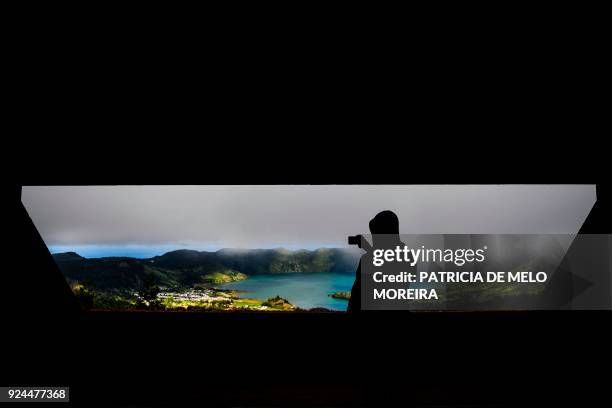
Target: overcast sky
211	217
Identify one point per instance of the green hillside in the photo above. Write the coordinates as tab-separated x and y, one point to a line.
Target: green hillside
185	268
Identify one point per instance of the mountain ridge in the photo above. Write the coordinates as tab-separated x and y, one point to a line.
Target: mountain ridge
185	267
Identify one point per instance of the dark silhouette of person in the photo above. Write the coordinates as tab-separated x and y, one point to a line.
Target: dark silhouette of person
385	234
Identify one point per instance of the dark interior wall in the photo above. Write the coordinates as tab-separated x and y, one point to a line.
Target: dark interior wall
483	109
326	359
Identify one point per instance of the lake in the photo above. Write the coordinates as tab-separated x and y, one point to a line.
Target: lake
303	289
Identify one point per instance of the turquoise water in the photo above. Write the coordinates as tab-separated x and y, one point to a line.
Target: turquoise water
306	290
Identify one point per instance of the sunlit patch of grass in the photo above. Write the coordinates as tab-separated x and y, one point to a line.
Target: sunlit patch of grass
247	302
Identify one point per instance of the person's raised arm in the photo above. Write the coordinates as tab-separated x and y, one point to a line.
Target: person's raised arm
364	244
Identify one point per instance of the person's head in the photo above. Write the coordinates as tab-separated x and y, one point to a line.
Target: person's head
385	222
